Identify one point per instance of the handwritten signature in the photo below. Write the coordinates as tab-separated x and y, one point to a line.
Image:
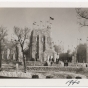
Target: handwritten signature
72	82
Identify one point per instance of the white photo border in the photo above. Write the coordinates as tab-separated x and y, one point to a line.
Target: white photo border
42	82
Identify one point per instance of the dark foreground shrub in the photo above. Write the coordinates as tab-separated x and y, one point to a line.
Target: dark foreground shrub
78	77
48	77
45	64
79	70
35	76
69	77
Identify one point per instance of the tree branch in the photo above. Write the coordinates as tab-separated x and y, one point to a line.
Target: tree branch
3	32
82	14
22	35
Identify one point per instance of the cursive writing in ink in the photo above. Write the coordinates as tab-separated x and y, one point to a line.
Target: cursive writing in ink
72	82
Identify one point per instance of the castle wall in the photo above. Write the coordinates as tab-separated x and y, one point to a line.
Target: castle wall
41	41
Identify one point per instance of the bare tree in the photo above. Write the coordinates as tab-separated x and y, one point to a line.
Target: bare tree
57	48
83	22
82	14
22	35
3	33
14	44
81	53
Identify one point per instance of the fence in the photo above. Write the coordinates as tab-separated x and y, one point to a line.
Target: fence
54	68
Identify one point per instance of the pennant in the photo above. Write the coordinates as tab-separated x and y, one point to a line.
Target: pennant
34	23
80	39
51	18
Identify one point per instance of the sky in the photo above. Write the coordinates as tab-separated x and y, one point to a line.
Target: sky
64	27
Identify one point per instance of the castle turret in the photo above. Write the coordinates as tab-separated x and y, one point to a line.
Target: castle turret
40	42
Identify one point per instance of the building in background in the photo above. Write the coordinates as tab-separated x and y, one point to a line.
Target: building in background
40	48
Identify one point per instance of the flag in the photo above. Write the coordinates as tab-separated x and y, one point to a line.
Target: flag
33	23
80	39
51	18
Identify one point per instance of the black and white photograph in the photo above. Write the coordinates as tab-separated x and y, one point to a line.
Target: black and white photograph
43	43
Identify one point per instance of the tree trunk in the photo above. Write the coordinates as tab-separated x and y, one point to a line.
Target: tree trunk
24	61
16	53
